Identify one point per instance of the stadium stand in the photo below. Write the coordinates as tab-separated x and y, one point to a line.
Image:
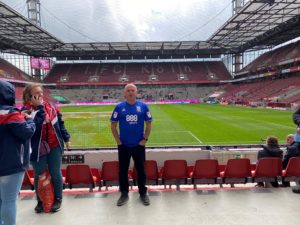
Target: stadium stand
10	72
273	60
150	92
19	92
263	90
155	79
138	72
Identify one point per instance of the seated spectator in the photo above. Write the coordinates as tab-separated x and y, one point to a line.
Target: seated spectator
292	150
271	149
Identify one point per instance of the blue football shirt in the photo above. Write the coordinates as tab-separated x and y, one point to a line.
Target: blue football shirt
131	120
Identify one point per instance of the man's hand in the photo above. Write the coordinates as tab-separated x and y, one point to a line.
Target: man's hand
142	142
298	130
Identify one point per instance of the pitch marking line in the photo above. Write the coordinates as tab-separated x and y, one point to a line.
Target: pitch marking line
195	137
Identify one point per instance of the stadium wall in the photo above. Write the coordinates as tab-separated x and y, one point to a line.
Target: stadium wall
96	158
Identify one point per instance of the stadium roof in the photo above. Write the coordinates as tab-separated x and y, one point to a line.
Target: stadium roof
138	50
18	33
259	24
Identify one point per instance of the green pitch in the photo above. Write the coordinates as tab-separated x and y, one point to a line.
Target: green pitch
180	124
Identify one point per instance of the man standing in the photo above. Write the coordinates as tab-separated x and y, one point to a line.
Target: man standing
131	116
296	119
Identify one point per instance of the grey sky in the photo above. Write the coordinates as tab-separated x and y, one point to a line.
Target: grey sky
130	20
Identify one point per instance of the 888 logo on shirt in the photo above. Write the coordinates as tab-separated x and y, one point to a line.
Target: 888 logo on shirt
131	119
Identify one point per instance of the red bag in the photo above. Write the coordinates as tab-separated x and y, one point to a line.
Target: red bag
46	191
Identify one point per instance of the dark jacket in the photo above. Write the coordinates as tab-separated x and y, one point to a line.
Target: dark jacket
296	117
58	125
15	133
292	150
269	152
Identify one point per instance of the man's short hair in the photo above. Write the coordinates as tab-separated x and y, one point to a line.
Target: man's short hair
290	136
130	85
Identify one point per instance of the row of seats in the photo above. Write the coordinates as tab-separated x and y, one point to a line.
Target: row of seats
205	171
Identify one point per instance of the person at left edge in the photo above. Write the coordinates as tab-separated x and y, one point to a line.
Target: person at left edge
16	129
47	143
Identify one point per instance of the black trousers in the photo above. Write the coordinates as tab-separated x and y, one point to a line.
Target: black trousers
138	154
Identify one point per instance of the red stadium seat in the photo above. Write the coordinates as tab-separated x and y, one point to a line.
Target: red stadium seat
152	175
222	167
190	170
80	175
267	170
292	171
236	171
151	171
64	174
110	173
31	173
97	175
28	182
206	171
174	172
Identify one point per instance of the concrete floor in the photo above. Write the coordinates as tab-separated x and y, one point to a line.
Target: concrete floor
244	206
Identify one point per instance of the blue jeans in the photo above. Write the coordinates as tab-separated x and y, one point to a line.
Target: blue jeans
53	160
9	189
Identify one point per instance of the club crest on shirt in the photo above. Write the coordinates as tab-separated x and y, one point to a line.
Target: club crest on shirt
149	114
138	108
115	114
123	110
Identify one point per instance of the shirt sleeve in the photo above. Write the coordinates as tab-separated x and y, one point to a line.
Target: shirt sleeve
21	128
148	116
115	115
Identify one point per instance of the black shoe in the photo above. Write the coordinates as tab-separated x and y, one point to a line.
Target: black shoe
56	205
39	207
123	199
296	190
285	184
260	184
145	199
